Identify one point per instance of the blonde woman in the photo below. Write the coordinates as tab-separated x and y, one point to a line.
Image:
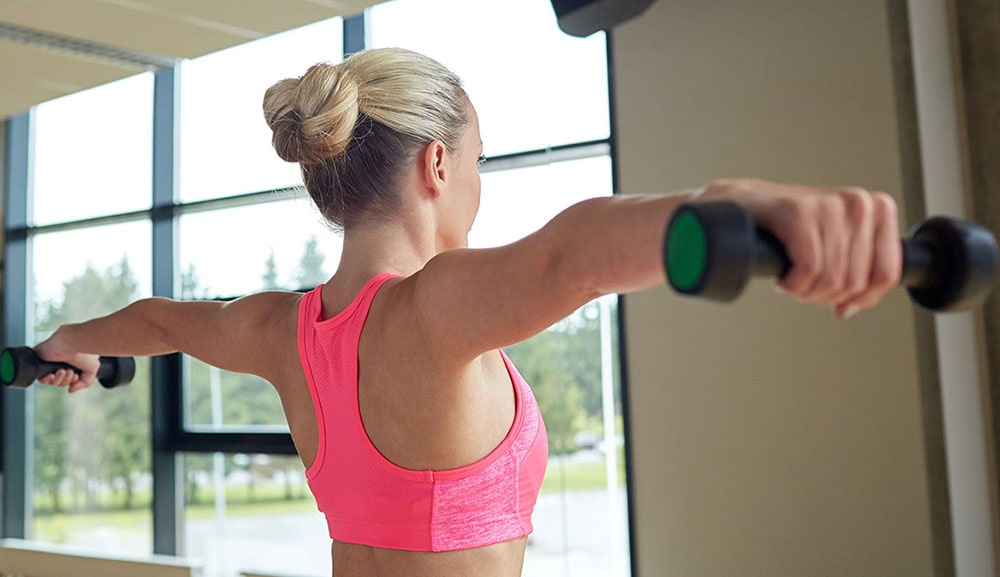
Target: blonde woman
423	446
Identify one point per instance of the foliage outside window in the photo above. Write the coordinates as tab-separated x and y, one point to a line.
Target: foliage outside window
92	450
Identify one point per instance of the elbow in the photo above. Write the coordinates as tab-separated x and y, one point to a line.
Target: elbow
151	317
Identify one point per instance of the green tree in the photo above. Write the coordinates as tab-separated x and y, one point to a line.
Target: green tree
269	280
51	441
546	361
310	271
563	366
191	288
95	437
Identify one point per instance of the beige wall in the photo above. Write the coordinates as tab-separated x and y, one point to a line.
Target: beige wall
768	439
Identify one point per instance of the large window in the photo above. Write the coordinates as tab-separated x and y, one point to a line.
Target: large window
91	470
210	460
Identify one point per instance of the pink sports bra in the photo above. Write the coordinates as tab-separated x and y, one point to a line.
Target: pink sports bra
369	500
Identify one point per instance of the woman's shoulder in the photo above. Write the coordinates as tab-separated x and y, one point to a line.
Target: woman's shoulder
270	311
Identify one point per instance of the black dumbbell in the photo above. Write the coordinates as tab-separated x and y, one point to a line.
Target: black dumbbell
711	249
20	366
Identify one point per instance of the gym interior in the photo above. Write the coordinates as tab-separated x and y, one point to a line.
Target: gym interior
751	438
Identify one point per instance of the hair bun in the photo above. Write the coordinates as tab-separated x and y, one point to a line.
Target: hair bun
312	118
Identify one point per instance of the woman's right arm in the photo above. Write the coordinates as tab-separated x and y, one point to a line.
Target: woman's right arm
843	243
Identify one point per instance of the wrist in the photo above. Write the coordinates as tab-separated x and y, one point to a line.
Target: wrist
61	342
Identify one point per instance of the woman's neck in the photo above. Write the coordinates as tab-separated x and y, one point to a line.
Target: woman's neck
394	247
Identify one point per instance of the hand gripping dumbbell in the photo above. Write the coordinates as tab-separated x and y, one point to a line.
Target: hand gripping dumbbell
711	249
20	366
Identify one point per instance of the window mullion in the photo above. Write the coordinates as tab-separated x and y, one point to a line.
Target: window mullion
17	459
165	380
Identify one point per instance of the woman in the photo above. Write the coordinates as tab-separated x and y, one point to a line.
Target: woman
423	446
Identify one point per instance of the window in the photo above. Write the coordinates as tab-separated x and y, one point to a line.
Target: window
91	469
236	223
94	156
280	244
92	483
533	86
225	145
252	513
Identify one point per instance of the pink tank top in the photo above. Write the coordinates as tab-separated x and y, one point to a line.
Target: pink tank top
369	500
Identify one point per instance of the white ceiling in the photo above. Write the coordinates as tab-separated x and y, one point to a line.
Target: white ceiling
50	48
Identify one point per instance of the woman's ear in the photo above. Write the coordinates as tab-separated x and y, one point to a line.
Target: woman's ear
433	171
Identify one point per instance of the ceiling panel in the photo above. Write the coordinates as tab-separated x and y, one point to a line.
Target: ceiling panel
262	16
160	29
32	75
131	29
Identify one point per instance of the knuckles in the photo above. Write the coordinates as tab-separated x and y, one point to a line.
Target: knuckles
809	219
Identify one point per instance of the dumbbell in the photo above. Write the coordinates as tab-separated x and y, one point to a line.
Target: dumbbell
20	366
711	249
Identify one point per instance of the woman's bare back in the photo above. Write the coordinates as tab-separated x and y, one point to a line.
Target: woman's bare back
412	425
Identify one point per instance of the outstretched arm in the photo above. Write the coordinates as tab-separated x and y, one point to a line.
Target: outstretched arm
843	244
227	335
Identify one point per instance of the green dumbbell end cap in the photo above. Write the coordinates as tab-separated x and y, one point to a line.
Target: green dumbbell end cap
686	252
8	370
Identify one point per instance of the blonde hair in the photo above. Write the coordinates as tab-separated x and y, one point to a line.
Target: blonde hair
353	127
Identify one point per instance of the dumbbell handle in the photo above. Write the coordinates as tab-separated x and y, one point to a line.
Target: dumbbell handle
21	366
712	248
771	260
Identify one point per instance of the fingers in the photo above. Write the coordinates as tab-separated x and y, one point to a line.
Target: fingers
886	263
55	350
79	385
88	375
821	256
861	257
844	246
66	378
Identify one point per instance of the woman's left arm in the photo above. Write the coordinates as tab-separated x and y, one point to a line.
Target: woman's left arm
229	335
